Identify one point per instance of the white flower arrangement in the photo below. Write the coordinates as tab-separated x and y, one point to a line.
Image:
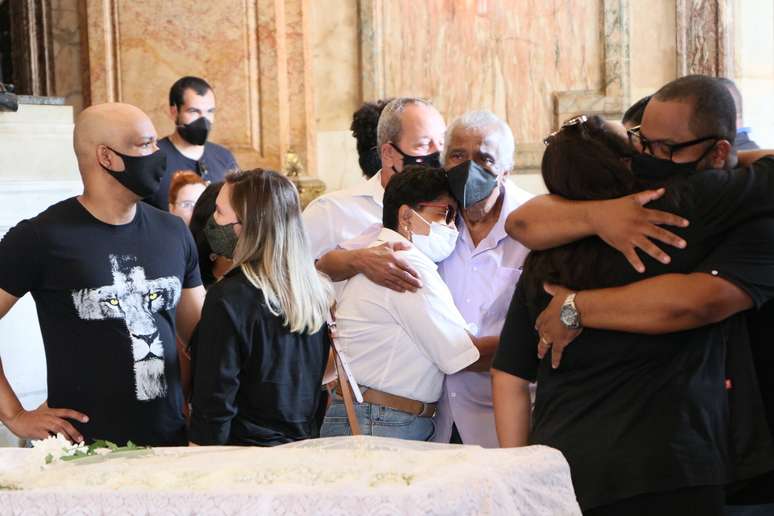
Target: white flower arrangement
58	449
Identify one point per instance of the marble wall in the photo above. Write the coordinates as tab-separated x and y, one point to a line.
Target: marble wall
254	53
336	72
531	62
653	37
289	73
66	37
754	66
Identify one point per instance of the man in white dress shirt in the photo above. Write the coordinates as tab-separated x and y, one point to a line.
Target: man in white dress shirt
484	268
410	131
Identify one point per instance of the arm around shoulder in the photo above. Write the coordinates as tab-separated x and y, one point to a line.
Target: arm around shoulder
549	221
664	304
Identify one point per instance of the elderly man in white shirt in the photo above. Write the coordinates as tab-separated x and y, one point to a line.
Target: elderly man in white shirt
484	268
400	345
410	131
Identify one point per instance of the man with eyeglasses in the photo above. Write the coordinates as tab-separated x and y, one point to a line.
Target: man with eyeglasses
410	132
192	108
686	135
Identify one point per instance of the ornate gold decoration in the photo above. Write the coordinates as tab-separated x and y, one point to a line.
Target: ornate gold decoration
309	188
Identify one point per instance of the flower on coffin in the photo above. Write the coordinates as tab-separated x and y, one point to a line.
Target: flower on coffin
54	448
59	449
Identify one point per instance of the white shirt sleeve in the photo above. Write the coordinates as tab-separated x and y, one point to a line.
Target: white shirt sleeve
363	240
432	321
318	220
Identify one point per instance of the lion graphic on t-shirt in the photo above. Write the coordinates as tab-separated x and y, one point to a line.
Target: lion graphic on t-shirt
134	299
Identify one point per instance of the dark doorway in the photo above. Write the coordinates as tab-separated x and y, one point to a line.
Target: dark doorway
26	55
6	63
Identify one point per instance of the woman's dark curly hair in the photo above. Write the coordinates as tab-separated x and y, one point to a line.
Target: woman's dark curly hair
364	122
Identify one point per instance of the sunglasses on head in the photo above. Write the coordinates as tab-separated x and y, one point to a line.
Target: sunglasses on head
576	121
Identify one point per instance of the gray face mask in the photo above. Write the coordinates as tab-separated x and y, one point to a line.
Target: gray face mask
222	239
470	183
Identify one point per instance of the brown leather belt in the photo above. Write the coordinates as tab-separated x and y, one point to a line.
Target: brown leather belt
414	407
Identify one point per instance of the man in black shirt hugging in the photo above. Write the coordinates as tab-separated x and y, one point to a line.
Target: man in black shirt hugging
655	405
113	280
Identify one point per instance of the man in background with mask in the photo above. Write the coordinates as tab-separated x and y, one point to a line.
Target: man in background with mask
113	280
484	267
410	132
192	108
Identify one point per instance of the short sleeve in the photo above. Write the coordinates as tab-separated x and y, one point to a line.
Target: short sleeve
432	321
233	165
746	258
192	276
517	352
20	259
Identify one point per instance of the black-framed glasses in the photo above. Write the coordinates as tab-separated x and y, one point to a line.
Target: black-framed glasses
576	121
660	147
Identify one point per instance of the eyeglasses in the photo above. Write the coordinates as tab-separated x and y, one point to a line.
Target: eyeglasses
186	205
660	147
576	121
450	211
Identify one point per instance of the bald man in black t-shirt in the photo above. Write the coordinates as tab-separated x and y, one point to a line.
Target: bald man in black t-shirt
113	280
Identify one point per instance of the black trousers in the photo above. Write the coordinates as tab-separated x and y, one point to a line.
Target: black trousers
703	500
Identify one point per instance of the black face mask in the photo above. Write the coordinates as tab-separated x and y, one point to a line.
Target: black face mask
651	167
370	162
429	160
196	132
222	239
142	174
470	183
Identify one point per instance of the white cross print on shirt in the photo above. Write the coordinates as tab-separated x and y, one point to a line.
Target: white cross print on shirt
134	299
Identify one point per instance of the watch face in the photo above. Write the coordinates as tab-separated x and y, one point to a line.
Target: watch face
569	317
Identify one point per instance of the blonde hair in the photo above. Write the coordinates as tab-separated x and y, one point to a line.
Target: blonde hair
273	252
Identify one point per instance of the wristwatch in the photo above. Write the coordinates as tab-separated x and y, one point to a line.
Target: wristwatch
569	314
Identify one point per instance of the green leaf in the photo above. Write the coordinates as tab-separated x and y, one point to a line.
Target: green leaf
130	445
101	443
49	458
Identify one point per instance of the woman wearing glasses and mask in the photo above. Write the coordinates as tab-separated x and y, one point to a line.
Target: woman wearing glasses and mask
262	344
400	345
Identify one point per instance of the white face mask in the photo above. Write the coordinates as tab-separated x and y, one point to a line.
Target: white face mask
439	244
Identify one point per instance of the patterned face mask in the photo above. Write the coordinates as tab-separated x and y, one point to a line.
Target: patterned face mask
222	239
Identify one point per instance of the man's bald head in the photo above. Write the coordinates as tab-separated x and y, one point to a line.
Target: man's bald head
122	127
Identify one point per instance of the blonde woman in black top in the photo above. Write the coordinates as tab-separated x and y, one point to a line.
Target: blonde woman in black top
262	343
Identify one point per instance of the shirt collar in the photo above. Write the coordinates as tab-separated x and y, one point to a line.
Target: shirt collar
390	236
512	199
372	188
